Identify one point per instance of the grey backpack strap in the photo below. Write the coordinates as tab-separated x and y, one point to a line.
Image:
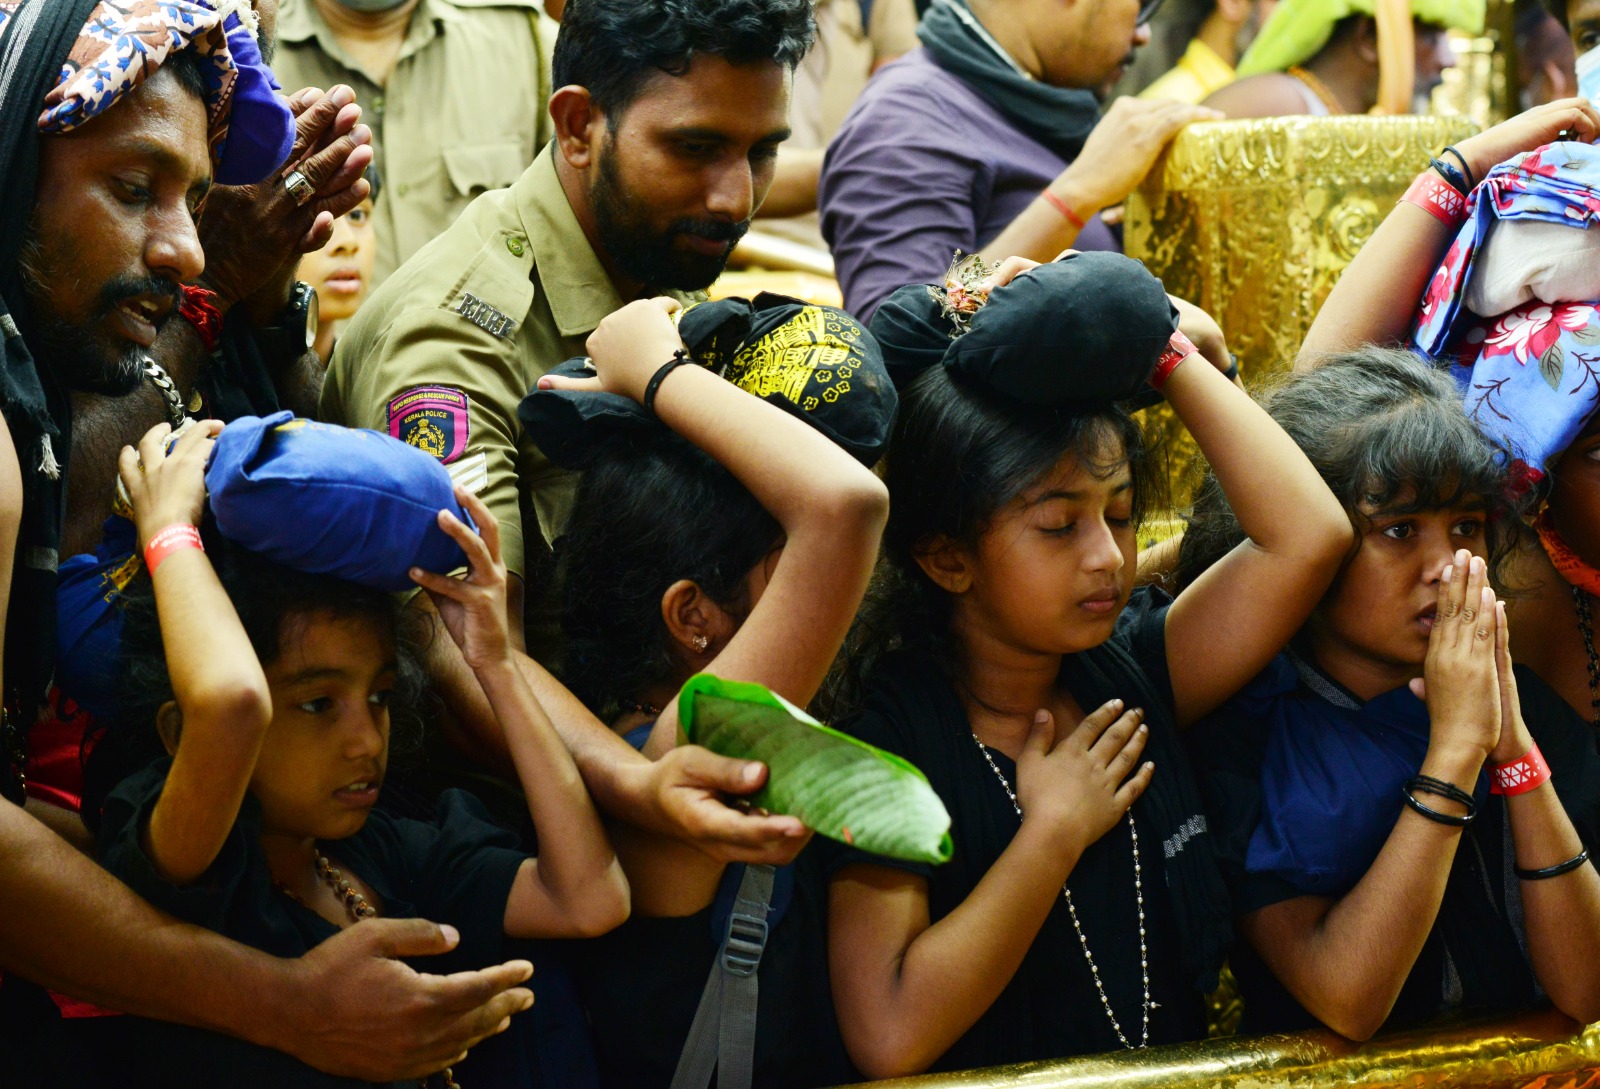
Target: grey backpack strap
723	1035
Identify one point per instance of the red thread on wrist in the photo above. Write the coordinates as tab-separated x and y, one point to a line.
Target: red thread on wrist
1177	350
1528	772
198	307
164	542
1438	198
1064	208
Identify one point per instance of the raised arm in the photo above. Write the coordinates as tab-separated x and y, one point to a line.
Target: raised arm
1225	627
217	682
575	888
1376	298
1345	960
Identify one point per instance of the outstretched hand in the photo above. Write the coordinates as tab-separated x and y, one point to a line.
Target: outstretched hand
1577	117
360	1012
472	605
165	488
688	785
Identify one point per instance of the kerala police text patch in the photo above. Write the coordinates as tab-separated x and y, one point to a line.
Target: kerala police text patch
431	418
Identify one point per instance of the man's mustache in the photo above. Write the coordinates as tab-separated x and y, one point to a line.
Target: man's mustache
718	230
130	287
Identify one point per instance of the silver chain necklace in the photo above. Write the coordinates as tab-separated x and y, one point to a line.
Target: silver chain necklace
1072	913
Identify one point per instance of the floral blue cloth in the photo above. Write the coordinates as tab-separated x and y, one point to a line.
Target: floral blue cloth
1530	377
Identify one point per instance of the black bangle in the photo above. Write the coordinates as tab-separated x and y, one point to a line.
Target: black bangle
679	358
1427	784
1472	181
1553	871
1457	180
1232	373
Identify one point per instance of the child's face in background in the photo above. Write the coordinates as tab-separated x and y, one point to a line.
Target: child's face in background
323	757
1053	571
1575	494
1373	626
341	271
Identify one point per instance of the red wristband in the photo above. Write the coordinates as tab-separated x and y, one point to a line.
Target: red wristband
198	307
1177	350
1064	208
1520	776
1438	198
170	539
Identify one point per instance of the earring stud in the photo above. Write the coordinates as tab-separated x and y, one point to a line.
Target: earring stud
700	643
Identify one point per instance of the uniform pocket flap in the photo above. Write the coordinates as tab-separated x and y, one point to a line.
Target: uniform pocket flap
474	168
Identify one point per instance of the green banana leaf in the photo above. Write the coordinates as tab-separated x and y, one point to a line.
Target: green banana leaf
839	786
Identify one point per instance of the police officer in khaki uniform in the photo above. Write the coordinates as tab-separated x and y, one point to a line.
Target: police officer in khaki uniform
454	91
663	150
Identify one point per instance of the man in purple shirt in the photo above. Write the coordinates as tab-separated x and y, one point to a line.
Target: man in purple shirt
990	140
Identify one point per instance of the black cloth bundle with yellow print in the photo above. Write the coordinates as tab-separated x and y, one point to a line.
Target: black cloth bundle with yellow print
816	362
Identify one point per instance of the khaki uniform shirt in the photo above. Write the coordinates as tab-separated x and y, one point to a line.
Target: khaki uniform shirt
464	110
443	352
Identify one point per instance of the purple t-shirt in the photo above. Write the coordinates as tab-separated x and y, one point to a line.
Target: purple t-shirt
923	167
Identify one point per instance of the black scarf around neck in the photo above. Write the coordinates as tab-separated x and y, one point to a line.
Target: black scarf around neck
1057	117
38	411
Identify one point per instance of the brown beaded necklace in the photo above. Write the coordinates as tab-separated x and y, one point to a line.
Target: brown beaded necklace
359	908
1580	599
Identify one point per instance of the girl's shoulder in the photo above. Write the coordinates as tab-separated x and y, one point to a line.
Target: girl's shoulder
906	694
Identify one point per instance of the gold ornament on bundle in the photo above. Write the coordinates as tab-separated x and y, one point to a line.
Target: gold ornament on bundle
963	291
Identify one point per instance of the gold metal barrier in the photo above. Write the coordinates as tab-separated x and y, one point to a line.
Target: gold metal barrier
1541	1050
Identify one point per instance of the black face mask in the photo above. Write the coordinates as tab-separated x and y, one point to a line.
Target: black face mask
622	221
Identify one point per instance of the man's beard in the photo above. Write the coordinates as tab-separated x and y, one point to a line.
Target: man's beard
639	252
70	349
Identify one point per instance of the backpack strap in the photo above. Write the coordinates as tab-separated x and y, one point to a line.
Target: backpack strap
722	1038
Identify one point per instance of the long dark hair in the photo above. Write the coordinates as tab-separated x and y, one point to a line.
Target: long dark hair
651	510
1387	432
269	600
958	456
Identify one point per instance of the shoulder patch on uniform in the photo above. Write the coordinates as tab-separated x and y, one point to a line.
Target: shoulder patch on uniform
434	419
484	316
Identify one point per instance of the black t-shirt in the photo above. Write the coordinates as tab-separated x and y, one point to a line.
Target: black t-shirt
1475	956
1050	1009
457	869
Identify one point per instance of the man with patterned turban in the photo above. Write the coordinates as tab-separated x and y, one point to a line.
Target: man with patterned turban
1321	57
114	117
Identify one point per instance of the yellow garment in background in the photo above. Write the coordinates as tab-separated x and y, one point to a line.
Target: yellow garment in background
1197	74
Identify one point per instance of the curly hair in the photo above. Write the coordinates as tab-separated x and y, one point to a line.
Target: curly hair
612	47
1387	433
270	600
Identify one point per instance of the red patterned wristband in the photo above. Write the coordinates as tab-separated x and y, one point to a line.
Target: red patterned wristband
1438	198
1177	350
198	307
164	542
1520	776
1064	208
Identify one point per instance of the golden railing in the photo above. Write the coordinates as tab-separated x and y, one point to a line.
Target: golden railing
1541	1050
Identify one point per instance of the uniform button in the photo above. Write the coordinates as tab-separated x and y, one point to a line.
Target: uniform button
404	189
514	244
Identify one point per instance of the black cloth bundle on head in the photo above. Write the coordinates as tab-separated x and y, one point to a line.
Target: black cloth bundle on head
815	362
34	45
1081	332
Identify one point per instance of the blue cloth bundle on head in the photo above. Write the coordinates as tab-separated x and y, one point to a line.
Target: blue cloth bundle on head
262	133
332	500
1530	375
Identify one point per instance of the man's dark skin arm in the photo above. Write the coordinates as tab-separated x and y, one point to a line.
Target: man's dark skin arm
253	237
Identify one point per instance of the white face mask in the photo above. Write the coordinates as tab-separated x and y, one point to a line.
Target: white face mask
1589	75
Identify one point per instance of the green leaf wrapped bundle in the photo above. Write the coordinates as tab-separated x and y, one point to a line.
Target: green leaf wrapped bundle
841	787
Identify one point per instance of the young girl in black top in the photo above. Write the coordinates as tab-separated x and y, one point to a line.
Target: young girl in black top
272	699
1082	911
1377	880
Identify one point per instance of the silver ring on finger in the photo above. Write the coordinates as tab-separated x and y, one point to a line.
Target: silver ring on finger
299	187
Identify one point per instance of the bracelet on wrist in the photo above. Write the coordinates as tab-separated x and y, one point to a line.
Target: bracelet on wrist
1447	171
1427	784
1178	349
1553	871
1527	772
198	307
1438	198
177	537
1466	167
1064	208
679	358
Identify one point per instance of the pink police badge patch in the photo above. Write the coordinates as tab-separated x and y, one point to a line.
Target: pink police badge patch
431	418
